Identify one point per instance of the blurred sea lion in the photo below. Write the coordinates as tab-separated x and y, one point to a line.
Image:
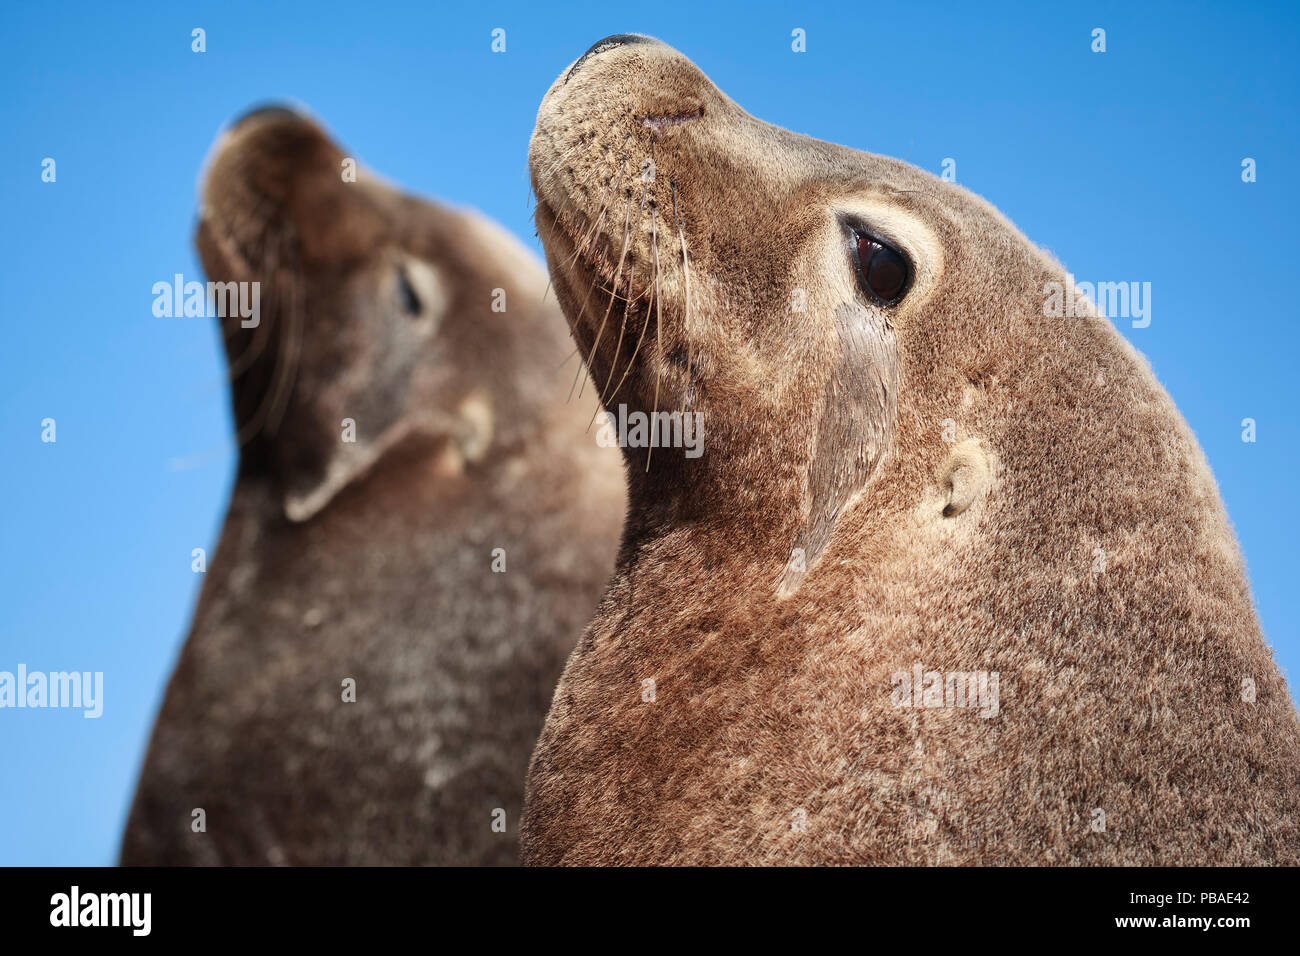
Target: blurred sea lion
419	523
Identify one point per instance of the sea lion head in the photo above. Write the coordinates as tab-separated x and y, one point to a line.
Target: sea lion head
817	304
376	320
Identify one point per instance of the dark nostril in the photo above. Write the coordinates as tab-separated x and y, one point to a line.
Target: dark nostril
600	46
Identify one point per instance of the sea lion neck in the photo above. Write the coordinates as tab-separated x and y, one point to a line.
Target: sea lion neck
742	501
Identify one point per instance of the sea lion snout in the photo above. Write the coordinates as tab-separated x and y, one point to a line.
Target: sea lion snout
608	43
276	165
277	112
622	162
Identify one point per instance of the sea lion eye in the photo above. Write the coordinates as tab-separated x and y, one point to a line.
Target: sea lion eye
882	269
410	301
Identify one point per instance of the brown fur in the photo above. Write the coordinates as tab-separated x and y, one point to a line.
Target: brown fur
773	735
372	560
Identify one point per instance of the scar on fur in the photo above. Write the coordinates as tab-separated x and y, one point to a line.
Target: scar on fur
657	124
964	476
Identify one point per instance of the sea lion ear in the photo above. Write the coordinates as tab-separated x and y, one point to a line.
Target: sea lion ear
859	411
965	475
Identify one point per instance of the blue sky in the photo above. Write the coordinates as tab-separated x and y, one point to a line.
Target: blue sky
1126	165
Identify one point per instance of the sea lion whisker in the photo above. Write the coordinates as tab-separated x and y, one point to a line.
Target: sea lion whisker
591	288
553	170
595	225
645	324
567	358
262	335
544	180
659	325
590	235
686	304
287	370
270	268
615	182
613	290
686	315
613	365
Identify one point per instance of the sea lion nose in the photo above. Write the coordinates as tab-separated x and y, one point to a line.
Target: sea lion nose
268	111
609	43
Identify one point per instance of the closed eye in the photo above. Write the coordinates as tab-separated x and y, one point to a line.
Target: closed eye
411	303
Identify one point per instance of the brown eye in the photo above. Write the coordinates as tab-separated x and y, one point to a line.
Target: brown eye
884	271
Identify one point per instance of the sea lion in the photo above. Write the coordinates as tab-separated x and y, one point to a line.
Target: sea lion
951	581
384	619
